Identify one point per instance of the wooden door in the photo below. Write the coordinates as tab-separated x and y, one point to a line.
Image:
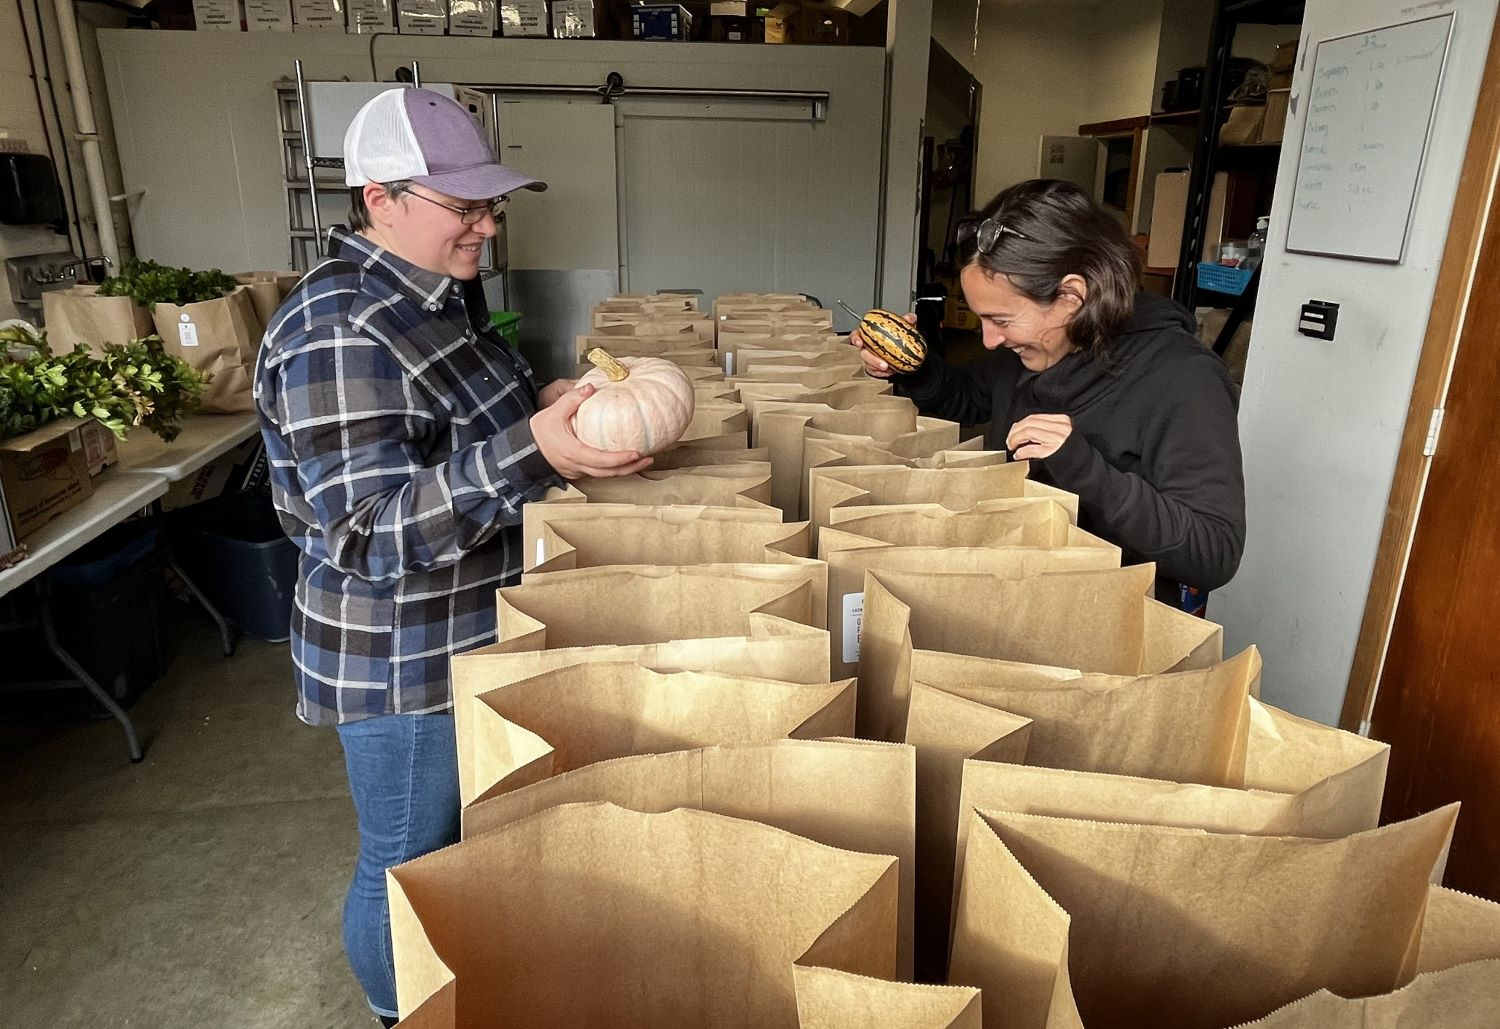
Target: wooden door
1438	703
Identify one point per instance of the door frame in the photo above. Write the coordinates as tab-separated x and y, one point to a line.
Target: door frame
1445	326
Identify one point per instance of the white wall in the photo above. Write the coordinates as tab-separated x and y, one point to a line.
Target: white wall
1048	67
1321	422
1122	65
1032	60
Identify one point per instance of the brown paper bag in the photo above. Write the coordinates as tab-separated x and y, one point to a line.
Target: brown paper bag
1103	621
705	618
1101	924
217	338
760	396
566	718
687	323
771	648
589	915
709	450
729	303
710	486
839	1000
1339	776
1459	928
267	291
781	428
957	482
1466	997
812	377
719	390
1010	538
562	536
81	315
717	418
843	793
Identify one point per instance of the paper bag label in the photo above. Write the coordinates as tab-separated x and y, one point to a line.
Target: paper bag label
854	617
729	363
187	333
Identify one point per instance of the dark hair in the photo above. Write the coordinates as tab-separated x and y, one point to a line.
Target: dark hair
359	214
1049	230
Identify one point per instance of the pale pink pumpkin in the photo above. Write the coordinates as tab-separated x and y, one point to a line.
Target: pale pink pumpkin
642	404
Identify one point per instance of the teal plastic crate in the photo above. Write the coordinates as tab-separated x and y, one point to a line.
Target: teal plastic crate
1221	278
508	324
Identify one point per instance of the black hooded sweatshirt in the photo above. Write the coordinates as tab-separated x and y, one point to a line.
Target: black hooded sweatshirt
1154	455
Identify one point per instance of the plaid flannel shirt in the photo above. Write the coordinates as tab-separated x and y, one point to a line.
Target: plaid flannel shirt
401	453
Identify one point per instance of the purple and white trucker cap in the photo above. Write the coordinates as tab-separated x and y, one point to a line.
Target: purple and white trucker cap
429	138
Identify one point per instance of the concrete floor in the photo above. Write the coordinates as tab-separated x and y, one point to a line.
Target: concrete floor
200	888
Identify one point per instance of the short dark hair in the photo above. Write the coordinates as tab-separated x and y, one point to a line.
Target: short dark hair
359	214
1056	229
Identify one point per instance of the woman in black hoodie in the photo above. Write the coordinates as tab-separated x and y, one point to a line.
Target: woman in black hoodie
1104	388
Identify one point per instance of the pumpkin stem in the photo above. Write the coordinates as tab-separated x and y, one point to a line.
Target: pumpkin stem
602	359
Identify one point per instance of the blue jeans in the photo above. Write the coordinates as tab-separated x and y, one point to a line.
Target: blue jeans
403	775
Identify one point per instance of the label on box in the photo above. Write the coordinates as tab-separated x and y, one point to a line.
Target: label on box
422	17
318	15
217	15
473	17
854	620
268	15
574	19
366	16
523	17
187	333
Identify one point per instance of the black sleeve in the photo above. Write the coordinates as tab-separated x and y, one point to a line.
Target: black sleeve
1189	517
964	394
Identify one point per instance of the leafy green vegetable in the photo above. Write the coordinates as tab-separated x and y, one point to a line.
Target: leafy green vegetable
132	384
149	283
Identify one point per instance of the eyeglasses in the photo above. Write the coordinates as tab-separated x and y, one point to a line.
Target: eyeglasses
988	233
469	215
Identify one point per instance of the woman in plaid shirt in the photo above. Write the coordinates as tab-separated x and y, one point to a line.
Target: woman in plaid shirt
404	438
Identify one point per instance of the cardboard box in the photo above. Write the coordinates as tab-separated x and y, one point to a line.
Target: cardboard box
735	29
1231	200
666	22
731	9
318	16
268	15
577	19
217	15
1242	127
1278	102
99	449
1284	58
1280	80
422	17
473	17
367	16
781	24
42	474
242	468
523	17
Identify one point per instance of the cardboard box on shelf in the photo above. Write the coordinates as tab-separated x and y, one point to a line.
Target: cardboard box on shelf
217	15
268	15
318	16
523	17
1280	80
99	449
473	17
587	19
666	22
1285	57
242	468
734	29
42	474
1243	126
781	23
1278	102
1231	201
422	17
367	16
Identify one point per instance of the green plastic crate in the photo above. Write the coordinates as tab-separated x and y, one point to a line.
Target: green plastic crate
508	324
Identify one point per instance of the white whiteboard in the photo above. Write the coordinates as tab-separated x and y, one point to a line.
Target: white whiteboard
1369	108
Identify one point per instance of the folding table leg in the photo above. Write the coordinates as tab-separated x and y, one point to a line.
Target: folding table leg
226	632
49	633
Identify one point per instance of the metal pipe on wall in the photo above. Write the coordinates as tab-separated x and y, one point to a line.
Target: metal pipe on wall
88	135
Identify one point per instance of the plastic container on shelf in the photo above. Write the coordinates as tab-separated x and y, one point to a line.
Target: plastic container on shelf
1223	279
236	552
1255	246
508	324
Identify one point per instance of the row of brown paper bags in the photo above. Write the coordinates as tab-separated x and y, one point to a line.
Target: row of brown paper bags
218	338
1314	781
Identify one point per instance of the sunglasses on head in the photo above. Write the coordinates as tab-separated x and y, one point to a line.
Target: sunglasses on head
987	233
